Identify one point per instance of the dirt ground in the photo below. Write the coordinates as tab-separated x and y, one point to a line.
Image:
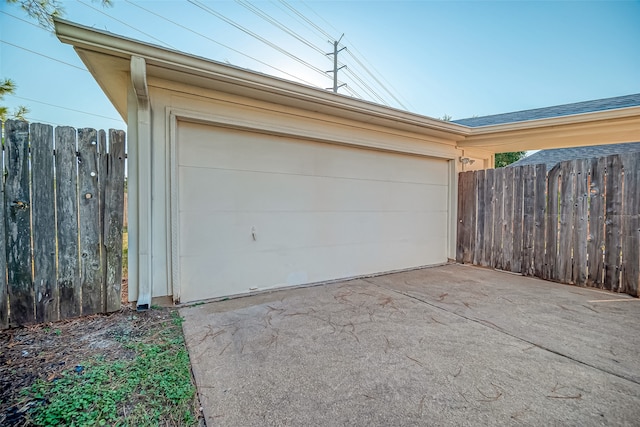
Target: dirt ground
44	351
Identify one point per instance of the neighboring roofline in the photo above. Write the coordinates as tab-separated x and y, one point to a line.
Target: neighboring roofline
575	108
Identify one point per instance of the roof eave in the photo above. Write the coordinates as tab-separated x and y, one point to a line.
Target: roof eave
245	83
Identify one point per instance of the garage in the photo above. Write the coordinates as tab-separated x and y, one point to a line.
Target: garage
259	211
239	182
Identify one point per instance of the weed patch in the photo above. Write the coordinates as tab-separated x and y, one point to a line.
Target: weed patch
151	386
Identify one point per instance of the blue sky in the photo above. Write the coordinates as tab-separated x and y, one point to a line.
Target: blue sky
435	57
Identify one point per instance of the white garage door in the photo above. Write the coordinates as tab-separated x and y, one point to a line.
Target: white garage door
258	211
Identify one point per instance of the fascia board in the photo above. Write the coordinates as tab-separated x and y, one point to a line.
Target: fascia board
476	132
606	127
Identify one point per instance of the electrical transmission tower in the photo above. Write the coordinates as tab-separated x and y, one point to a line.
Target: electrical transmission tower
335	65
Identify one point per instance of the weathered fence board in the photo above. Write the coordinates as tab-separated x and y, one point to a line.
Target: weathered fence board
487	218
595	241
567	197
44	231
528	219
518	219
631	225
480	234
539	220
114	219
580	236
18	218
552	214
466	219
89	217
507	220
498	205
578	224
60	223
4	296
613	222
67	218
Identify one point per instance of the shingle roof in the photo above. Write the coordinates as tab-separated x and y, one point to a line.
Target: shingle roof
556	111
554	156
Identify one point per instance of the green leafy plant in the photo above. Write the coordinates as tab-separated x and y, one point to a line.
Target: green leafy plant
153	387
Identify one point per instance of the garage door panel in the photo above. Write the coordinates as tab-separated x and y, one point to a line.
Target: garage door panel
238	150
295	231
319	211
256	191
220	270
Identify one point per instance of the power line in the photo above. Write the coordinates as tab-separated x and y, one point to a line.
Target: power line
368	88
376	79
353	47
124	23
65	108
44	56
310	22
25	21
300	21
220	44
256	36
266	17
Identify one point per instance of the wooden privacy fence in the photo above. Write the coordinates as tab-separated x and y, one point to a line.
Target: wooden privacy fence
60	222
578	224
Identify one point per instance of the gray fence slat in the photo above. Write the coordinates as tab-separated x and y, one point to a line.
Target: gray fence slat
44	223
539	219
466	217
67	219
18	223
460	225
102	183
470	216
113	219
631	225
613	222
488	206
567	209
551	254
580	220
480	181
518	219
498	206
579	224
528	219
595	240
89	219
507	220
4	300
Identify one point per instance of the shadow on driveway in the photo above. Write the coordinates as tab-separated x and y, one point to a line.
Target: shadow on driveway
451	345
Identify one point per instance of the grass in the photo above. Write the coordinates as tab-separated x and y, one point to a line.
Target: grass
153	387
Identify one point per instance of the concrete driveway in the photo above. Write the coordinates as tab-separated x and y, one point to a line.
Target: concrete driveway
450	345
